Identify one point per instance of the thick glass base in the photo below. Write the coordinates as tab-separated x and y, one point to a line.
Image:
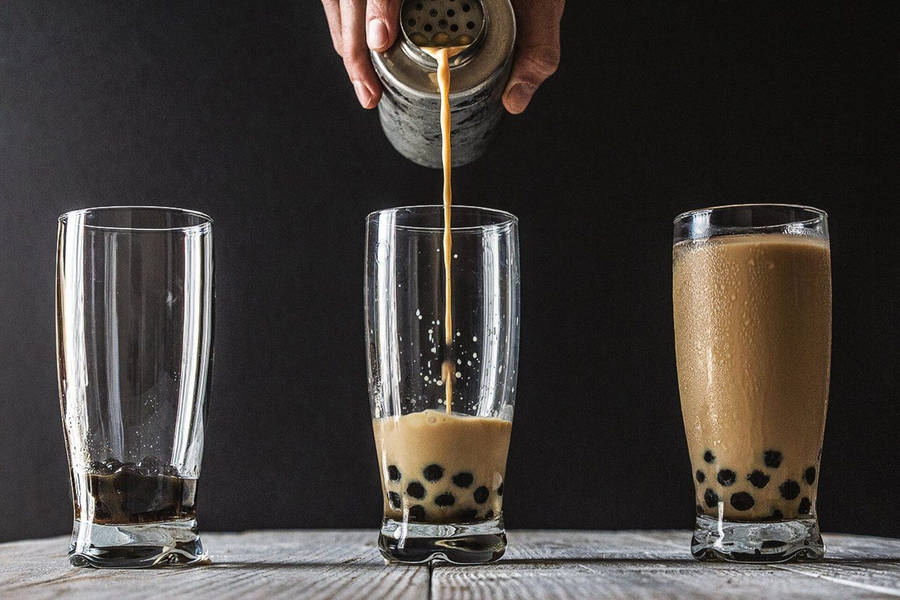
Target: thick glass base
461	544
136	546
766	542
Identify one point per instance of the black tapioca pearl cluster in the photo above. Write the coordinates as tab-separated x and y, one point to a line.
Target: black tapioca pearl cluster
701	477
433	473
416	513
463	480
711	498
789	490
394	499
776	515
742	501
805	506
810	475
481	495
758	479
709	457
393	473
489	514
726	477
416	490
468	514
445	499
772	458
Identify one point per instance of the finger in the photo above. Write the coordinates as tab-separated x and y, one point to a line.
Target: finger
356	53
537	52
333	14
382	23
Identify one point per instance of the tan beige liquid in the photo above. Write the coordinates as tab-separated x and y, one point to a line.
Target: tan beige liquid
753	344
443	55
441	468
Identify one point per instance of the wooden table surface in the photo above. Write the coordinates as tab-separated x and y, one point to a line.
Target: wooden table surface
538	564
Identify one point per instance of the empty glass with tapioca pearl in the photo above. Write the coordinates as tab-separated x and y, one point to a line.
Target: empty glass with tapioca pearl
442	413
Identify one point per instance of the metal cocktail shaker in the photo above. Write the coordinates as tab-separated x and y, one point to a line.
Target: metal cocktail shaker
410	106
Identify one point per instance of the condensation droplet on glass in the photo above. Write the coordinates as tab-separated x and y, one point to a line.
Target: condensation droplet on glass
474	355
474	338
458	374
469	363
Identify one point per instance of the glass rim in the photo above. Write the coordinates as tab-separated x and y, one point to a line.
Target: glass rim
818	212
507	218
205	220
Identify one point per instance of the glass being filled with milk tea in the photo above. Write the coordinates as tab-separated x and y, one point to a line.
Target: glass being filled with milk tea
752	310
442	333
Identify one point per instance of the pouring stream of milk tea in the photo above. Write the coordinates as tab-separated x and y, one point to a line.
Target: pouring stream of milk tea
443	55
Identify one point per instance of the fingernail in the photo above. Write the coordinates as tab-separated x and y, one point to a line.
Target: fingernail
518	97
377	34
362	93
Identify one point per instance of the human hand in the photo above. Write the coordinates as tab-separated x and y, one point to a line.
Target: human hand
357	26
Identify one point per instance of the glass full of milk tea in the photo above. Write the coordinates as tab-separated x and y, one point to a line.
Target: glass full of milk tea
752	309
442	377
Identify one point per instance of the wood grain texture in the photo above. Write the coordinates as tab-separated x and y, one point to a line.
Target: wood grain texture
271	564
539	564
657	564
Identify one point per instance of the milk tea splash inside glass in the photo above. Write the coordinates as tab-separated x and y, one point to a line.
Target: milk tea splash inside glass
752	310
442	456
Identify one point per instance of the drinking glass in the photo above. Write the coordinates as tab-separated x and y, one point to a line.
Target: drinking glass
134	303
752	311
442	454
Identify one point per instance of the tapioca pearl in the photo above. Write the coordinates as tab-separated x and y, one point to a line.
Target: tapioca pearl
489	514
393	473
701	477
776	515
500	490
810	475
394	499
726	477
758	479
416	513
772	458
445	499
699	510
481	495
433	472
711	498
742	501
416	490
463	479
468	514
709	457
805	506
790	489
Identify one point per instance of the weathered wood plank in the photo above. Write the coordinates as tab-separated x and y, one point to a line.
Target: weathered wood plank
578	564
272	564
539	564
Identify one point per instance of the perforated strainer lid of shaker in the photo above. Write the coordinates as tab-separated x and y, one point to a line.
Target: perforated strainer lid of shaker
484	29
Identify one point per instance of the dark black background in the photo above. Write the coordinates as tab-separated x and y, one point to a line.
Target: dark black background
243	110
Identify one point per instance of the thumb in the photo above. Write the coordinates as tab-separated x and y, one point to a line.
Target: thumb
537	52
382	23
